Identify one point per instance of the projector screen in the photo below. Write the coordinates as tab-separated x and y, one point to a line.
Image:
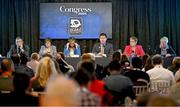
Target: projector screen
79	20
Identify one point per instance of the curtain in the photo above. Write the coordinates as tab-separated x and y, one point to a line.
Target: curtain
148	20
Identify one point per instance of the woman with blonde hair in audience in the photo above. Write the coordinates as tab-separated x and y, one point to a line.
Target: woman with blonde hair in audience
45	71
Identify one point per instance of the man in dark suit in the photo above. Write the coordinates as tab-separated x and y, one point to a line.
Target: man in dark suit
103	48
19	49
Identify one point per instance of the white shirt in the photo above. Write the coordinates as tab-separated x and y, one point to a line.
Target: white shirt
159	73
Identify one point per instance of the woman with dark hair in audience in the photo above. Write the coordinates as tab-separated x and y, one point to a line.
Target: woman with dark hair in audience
148	65
63	65
72	49
144	59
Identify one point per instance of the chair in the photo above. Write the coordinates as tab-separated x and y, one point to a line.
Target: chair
139	89
160	86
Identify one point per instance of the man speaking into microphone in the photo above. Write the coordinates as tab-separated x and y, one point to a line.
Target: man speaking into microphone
19	49
103	48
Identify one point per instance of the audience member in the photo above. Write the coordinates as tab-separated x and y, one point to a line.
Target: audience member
116	56
72	49
158	72
119	85
61	92
175	92
23	68
45	71
137	76
87	98
103	48
96	86
34	61
100	74
148	65
63	65
6	79
162	101
175	65
144	98
19	97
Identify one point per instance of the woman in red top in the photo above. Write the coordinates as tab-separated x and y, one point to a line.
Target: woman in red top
133	49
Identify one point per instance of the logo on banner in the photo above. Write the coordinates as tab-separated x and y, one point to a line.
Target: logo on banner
75	26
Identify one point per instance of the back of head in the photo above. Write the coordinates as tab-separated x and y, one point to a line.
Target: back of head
45	69
21	82
24	60
87	65
116	56
61	92
157	59
7	65
88	56
162	101
114	66
176	62
16	59
82	77
136	62
35	56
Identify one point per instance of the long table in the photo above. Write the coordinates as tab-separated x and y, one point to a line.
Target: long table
103	61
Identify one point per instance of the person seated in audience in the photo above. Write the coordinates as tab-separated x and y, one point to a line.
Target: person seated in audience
125	63
177	76
103	48
96	86
165	49
6	78
175	92
72	49
20	95
88	98
116	56
119	85
61	92
158	73
48	48
34	61
23	68
137	76
100	74
143	99
175	65
133	50
45	71
144	59
148	65
18	49
162	101
63	65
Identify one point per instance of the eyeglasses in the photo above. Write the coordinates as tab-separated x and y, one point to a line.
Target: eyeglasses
132	41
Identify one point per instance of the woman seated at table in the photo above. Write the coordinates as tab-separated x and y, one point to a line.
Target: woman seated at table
133	50
165	49
48	48
72	49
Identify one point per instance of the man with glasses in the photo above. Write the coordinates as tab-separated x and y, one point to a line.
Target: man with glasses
19	49
133	50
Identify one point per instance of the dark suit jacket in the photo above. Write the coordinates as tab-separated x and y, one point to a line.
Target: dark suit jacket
170	50
13	51
108	49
